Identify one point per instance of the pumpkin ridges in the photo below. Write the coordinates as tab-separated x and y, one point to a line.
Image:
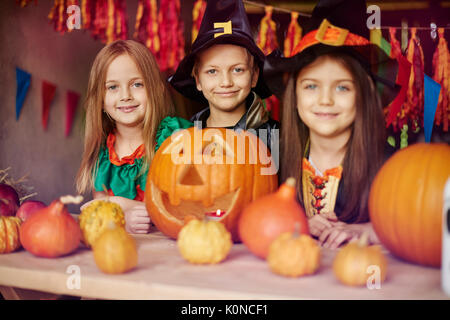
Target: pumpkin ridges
435	230
13	230
420	205
416	213
407	181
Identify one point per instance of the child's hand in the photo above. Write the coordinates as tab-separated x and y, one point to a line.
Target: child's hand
339	234
335	236
320	222
137	219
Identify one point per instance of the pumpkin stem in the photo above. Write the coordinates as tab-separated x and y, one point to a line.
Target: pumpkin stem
71	199
364	239
290	182
287	189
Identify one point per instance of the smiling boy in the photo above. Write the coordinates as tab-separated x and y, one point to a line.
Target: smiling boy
223	71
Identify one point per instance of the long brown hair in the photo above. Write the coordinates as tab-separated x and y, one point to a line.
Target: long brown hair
365	148
99	125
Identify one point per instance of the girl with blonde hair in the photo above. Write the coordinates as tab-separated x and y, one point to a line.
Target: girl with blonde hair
126	100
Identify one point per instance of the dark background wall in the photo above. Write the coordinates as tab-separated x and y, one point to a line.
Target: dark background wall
28	41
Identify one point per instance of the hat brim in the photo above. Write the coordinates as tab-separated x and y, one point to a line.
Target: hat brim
184	82
374	60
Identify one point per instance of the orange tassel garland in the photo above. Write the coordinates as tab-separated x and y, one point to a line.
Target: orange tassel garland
441	70
413	107
293	35
171	31
146	28
197	16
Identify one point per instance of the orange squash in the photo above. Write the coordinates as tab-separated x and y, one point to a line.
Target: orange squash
196	172
406	199
293	255
266	218
355	263
51	232
9	234
115	251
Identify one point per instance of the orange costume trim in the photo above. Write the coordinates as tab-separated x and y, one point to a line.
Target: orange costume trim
319	192
330	35
138	153
114	158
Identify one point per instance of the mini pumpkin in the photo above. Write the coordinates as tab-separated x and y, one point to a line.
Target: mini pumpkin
94	219
9	234
115	250
204	241
292	254
353	263
198	171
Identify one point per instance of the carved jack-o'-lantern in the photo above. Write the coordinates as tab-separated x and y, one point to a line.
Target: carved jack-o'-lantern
197	172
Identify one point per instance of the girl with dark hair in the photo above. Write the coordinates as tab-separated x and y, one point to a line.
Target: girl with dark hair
333	132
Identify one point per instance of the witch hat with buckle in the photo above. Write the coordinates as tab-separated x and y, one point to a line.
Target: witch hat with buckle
224	22
336	26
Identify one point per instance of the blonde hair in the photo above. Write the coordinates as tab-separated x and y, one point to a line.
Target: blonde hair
99	125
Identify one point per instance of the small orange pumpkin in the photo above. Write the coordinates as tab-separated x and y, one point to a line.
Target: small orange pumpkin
195	172
9	234
406	199
293	254
354	263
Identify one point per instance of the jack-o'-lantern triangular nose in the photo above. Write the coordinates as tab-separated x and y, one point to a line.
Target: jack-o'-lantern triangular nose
191	177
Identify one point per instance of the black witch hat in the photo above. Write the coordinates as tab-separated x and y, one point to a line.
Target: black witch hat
224	22
336	26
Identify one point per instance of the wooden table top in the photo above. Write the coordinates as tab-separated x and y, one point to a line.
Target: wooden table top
163	274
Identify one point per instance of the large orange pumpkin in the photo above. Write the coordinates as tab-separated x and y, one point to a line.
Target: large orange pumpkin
406	200
198	171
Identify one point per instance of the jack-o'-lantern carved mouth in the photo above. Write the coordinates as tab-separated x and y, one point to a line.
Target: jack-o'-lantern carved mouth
182	208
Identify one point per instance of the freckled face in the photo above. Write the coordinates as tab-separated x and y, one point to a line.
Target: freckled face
326	97
125	96
225	75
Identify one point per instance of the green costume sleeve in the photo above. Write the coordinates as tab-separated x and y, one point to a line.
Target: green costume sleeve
168	126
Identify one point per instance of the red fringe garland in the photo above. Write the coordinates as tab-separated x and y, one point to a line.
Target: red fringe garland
171	31
267	37
58	15
441	70
197	16
267	42
413	108
110	22
146	28
293	35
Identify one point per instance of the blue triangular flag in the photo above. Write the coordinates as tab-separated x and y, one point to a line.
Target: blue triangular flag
431	97
23	80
